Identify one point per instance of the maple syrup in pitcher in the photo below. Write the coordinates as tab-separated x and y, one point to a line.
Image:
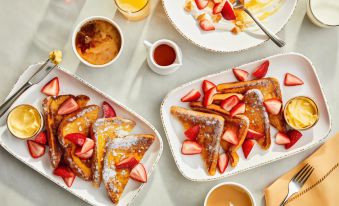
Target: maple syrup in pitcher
164	55
229	195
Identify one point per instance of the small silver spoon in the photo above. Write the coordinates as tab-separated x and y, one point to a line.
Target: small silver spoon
239	4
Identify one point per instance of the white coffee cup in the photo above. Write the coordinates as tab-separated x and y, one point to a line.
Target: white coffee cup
163	70
323	13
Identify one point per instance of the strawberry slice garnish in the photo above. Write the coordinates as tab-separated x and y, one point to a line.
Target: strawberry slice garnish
247	147
35	149
206	25
292	80
273	106
192	133
218	7
251	134
87	146
108	110
76	138
230	135
240	74
201	4
41	138
127	163
261	70
52	87
282	138
230	102
85	155
208	98
191	96
190	148
69	180
294	136
207	85
138	173
227	11
222	162
69	106
240	108
63	171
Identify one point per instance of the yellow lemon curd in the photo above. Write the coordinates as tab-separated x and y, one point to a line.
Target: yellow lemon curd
301	113
24	121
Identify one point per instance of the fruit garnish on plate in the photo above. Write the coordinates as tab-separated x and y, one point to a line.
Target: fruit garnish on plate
240	74
282	139
108	110
208	97
190	147
294	136
127	163
35	149
230	135
201	4
230	102
41	138
192	133
206	25
52	87
222	162
227	11
191	96
240	108
207	85
69	106
139	173
247	147
261	70
292	80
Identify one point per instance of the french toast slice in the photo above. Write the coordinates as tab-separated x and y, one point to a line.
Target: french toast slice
103	129
50	107
211	128
269	87
238	123
118	149
77	122
258	116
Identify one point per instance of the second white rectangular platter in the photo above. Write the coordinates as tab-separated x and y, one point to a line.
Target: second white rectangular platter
192	166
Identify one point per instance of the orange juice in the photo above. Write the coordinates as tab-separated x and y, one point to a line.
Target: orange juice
133	9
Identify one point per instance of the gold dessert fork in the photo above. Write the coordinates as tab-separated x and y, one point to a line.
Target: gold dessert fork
297	182
239	4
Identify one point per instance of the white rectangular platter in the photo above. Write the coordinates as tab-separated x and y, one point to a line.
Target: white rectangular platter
70	84
192	167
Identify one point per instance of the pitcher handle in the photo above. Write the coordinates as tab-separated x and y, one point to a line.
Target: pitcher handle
147	44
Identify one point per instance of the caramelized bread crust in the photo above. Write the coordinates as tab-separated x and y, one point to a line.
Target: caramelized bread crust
211	128
269	87
103	129
118	149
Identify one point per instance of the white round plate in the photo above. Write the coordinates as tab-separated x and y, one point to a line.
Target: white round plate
225	41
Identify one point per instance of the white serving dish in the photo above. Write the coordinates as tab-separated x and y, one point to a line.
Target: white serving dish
225	41
71	84
193	168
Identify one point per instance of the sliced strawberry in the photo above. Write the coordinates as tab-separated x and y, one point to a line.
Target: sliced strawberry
76	138
273	106
230	102
261	70
108	110
207	85
63	171
85	155
240	74
294	136
251	134
35	149
190	148
127	163
192	133
222	162
240	108
206	25
292	80
208	98
191	96
281	138
138	173
87	146
41	138
227	11
230	136
218	7
247	147
52	87
69	180
69	106
201	4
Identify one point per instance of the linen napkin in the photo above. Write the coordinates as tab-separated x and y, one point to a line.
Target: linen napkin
322	188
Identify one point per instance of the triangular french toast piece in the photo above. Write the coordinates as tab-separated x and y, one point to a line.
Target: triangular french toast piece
50	107
269	87
77	122
118	149
238	123
256	113
103	129
211	128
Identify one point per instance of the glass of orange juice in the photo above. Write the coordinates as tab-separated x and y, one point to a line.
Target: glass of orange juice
134	10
